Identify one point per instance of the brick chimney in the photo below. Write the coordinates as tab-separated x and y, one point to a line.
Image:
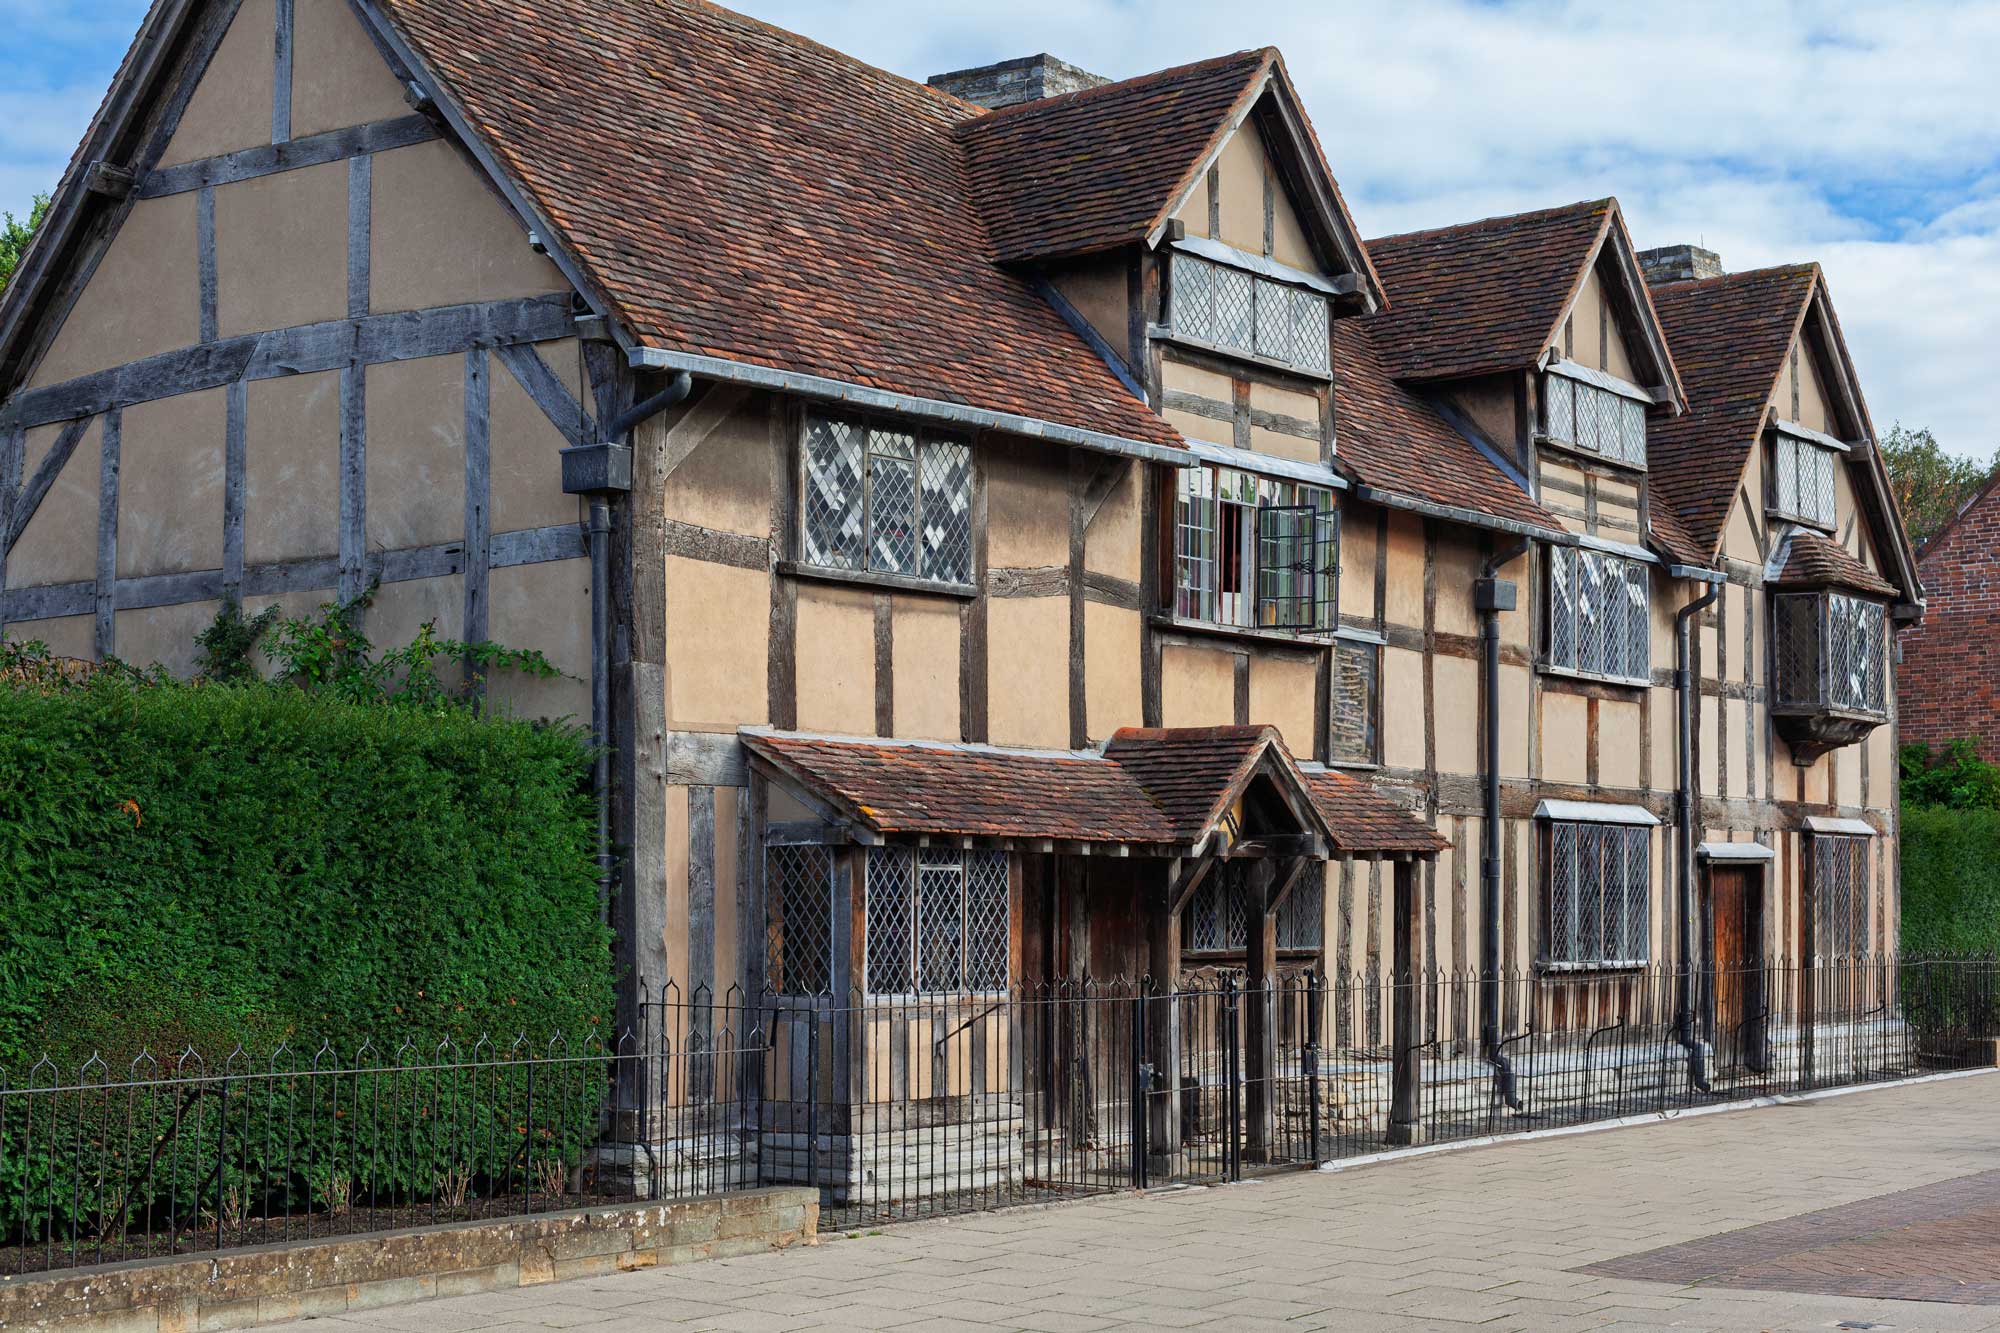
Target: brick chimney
1679	263
1028	79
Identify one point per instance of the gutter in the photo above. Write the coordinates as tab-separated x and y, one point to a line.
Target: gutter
1689	800
1491	595
886	400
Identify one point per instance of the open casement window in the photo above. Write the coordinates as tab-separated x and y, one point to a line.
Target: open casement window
1255	552
1802	481
1840	906
1216	919
1242	312
1599	880
1594	420
886	499
936	920
1599	621
1832	652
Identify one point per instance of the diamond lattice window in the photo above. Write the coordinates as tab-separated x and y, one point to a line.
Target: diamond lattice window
887	500
1840	895
1802	481
1227	307
1600	889
798	929
1595	420
1599	618
1217	917
1832	652
936	920
1255	552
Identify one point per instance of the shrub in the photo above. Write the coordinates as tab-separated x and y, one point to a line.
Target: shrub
1951	881
1954	778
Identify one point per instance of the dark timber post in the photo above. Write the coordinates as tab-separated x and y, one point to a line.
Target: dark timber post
1259	997
1406	995
1163	1045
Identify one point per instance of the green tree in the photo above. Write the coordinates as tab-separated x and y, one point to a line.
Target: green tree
1929	483
15	235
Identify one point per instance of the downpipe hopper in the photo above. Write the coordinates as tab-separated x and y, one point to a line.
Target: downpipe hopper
606	466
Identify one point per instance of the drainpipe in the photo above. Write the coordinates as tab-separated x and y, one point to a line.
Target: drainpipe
1689	800
1491	595
598	471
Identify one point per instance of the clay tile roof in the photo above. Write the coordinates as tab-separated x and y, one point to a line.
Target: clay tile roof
736	191
1730	337
1815	561
1145	786
1672	534
1483	296
1364	820
1392	439
1191	771
1097	169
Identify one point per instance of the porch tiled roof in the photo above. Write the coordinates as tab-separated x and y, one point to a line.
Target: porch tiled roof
1146	786
736	191
1093	170
1814	561
1483	296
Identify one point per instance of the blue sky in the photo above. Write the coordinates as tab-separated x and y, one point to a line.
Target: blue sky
1866	136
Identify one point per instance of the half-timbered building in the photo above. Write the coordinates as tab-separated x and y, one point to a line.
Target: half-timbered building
1002	541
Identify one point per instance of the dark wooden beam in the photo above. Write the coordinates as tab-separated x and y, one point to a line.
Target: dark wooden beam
543	385
1183	879
109	180
270	159
1292	876
46	472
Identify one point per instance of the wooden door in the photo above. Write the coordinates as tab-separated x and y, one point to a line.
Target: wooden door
1736	926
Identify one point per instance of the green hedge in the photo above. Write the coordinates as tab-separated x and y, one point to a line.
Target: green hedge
1951	881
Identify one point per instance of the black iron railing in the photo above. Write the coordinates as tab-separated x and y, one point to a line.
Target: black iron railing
912	1105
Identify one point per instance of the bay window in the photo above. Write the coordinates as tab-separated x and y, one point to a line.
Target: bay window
1831	652
1255	552
1239	311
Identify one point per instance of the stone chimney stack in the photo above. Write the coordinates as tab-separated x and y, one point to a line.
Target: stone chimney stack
1679	263
1028	79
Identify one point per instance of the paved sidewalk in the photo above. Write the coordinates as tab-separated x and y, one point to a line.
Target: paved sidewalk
1492	1237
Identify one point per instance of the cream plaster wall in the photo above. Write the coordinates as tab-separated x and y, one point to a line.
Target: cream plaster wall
1112	542
144	298
281	249
1565	737
1197	686
291	468
338	78
726	482
59	545
1027	507
402	609
442	237
925	666
1402	708
66	636
1618	730
836	656
1111	647
170	485
1027	689
1283	694
416	452
1455	683
162	635
231	107
718	647
523	449
545	607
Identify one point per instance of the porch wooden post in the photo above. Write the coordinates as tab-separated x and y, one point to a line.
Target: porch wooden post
849	1056
1163	1028
1259	999
1407	998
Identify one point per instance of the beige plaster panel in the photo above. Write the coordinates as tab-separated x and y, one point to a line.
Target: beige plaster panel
1735	749
1180	377
1618	729
416	452
338	78
523	448
400	610
66	636
1523	571
441	237
836	655
281	250
1735	614
1847	776
1112	543
1027	671
1288	239
163	635
144	299
1818	784
1590	306
1565	737
545	607
1514	706
1814	409
291	469
1357	560
1406	571
1197	686
718	626
1739	537
1579	332
1710	761
1283	694
1457	568
1666	601
1281	445
925	661
1111	648
1098	292
59	545
231	106
1194	213
1199	428
1402	708
1455	686
1027	508
1240	171
170	465
726	482
1881	745
1285	402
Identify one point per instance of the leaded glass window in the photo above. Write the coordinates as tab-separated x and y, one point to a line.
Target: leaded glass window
1600	889
936	920
1802	481
1217	917
1595	420
886	499
1832	652
1840	895
1255	552
798	928
1230	308
1599	616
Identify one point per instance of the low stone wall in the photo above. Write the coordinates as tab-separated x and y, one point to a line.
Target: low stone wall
274	1283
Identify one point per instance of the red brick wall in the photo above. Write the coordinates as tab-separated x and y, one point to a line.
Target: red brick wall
1949	682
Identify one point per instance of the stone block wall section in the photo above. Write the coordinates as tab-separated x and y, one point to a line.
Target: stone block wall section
1949	684
277	1283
